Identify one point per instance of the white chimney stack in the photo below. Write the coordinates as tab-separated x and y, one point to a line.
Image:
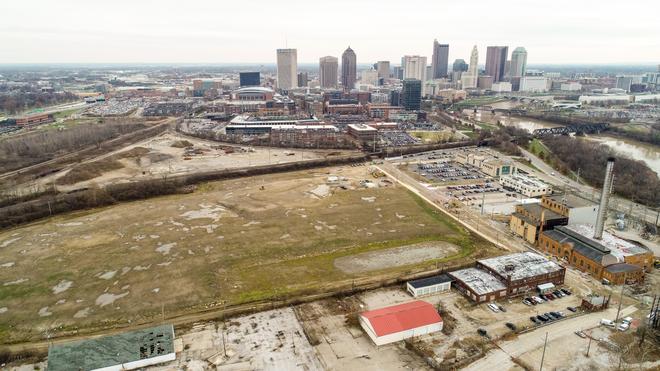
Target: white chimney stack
604	199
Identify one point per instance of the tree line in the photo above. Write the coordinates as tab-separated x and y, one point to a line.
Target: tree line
633	179
14	101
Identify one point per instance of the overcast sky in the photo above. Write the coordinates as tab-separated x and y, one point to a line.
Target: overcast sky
220	31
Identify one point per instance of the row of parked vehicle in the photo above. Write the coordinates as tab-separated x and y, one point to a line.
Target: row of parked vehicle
546	317
542	298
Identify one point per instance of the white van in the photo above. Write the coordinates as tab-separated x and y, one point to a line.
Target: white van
607	322
493	307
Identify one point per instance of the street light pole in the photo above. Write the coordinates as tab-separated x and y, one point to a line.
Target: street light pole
545	344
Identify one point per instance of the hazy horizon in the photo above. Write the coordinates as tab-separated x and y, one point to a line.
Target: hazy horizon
207	32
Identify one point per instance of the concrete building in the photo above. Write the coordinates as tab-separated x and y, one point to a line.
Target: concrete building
411	95
383	68
576	209
414	67
363	133
439	60
302	79
469	78
611	258
525	185
255	93
249	79
127	351
429	286
287	68
348	69
518	64
255	124
485	82
487	163
571	86
534	84
502	87
400	322
496	57
328	69
382	111
369	77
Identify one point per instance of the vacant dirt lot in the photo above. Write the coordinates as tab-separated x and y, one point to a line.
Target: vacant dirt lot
237	241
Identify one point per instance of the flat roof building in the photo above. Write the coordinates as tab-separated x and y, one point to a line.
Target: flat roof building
429	285
127	351
525	185
478	285
523	272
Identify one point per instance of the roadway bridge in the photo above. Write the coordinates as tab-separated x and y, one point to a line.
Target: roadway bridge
574	128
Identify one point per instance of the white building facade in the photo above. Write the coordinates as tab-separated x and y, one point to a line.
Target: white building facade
287	68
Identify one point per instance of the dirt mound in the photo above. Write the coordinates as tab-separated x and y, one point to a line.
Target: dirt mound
181	144
89	171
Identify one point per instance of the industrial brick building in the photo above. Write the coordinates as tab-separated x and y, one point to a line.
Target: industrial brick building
616	260
507	275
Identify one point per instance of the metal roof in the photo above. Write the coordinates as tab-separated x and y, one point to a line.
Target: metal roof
402	317
112	350
430	281
622	267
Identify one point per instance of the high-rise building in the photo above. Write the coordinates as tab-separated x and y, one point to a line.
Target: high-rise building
328	67
287	68
348	69
459	65
411	95
369	77
518	62
440	60
395	98
414	67
383	68
496	61
303	79
397	72
469	77
249	78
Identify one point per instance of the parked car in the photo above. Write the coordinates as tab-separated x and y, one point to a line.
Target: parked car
493	307
482	332
501	308
526	302
566	291
541	318
581	334
623	327
533	319
511	326
558	293
572	309
531	301
627	320
548	317
539	300
607	322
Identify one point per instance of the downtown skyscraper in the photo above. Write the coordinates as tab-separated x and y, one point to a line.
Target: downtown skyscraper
518	66
496	61
440	60
414	67
287	68
471	76
328	67
348	69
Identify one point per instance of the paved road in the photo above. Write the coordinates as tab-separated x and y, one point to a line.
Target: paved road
560	181
500	358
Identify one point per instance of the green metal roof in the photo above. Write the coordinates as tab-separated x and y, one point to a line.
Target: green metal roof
111	350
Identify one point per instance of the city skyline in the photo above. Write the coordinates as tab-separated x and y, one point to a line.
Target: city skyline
172	34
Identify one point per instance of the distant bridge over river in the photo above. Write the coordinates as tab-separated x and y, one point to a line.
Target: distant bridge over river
574	128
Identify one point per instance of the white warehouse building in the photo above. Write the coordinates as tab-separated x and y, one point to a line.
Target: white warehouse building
525	185
429	286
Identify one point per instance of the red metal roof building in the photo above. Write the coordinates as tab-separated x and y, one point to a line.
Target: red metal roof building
399	322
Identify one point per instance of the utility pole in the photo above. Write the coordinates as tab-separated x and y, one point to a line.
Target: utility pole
618	311
589	346
483	199
545	344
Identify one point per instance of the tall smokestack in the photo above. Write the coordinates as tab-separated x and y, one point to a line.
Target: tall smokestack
604	199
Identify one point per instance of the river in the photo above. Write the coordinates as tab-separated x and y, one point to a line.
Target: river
646	152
